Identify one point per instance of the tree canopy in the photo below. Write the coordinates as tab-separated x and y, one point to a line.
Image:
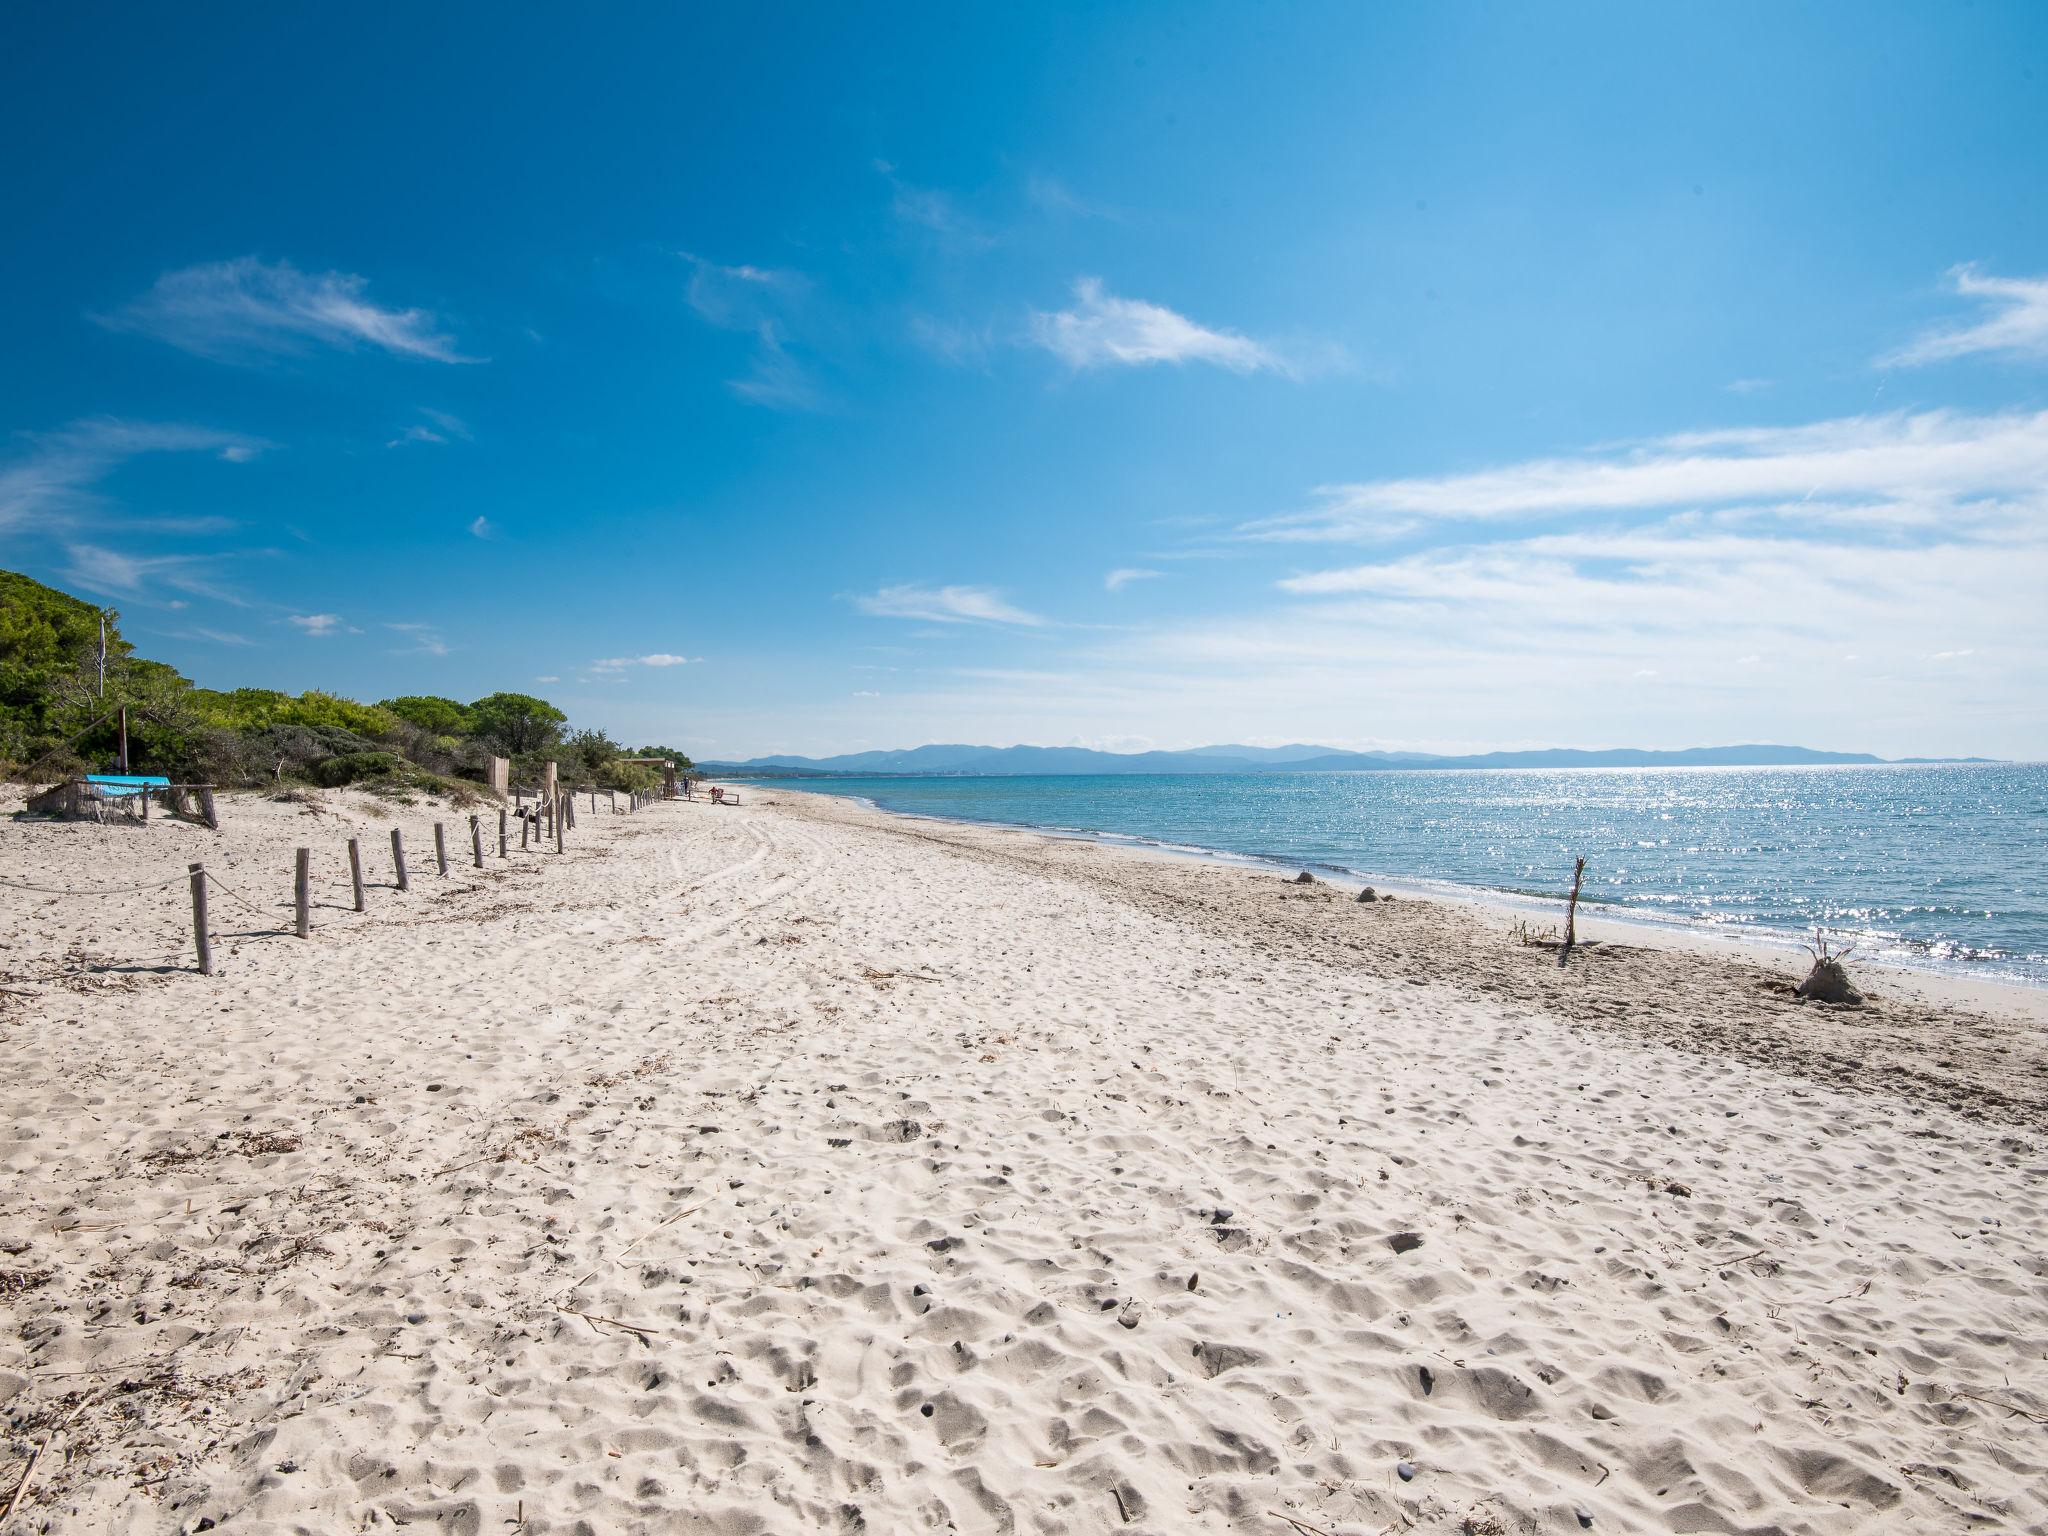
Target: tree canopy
517	723
444	717
54	719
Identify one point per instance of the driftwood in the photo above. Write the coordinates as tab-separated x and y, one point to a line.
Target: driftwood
1571	914
1828	980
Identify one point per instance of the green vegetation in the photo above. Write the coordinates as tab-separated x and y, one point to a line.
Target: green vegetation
58	719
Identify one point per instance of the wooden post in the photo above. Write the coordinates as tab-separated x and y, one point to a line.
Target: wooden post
145	807
440	848
525	823
355	870
200	938
558	834
476	839
207	809
74	798
612	799
302	892
1571	915
569	809
398	860
501	832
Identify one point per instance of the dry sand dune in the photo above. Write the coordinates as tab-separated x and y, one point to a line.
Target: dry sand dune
795	1168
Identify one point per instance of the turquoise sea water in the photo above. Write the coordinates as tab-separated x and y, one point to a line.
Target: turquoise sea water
1940	867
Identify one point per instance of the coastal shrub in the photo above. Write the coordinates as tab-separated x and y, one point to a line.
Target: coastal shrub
623	775
353	768
436	716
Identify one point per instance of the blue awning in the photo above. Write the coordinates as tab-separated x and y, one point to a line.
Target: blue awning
116	786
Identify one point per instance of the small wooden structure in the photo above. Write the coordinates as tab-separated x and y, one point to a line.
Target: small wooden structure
91	797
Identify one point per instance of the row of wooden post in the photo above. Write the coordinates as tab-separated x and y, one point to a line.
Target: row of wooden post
558	811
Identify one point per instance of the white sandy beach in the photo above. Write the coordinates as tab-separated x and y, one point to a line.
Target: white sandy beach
792	1167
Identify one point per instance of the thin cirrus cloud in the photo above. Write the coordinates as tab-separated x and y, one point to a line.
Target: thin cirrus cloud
426	640
248	309
2017	326
122	573
1122	577
438	427
317	624
1855	466
937	214
1100	330
1736	568
766	301
655	659
945	605
56	480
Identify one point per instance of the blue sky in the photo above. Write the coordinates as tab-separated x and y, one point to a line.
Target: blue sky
815	379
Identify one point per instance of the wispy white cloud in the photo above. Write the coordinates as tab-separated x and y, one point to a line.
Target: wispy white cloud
247	309
956	341
764	301
775	378
55	480
944	605
2016	327
482	528
1896	460
1052	195
1101	330
1122	577
655	659
123	573
317	624
937	214
740	297
439	427
426	639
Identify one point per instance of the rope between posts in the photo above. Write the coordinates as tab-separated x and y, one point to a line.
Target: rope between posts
116	890
211	880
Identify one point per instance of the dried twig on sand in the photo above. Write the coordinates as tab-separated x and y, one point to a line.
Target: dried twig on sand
1299	1525
593	1318
666	1221
35	1460
1997	1402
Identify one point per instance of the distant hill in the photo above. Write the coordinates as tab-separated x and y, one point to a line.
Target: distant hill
971	760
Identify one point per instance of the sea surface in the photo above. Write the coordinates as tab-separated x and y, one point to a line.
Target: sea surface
1943	868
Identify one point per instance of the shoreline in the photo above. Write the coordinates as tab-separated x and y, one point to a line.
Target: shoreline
799	1166
1934	981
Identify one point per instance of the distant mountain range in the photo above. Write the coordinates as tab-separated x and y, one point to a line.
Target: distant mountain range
1300	758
